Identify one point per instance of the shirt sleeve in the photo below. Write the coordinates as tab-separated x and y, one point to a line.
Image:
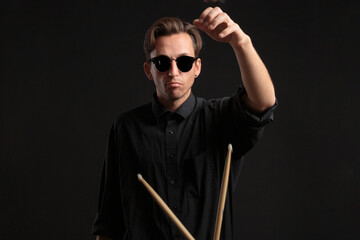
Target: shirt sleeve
109	219
242	128
258	119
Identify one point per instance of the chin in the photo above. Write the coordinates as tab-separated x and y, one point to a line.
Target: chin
176	95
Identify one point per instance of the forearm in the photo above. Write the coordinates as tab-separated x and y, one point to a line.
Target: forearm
256	79
255	76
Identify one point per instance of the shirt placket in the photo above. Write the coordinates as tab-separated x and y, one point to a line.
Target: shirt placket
173	187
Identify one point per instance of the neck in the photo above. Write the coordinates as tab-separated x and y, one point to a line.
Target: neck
173	104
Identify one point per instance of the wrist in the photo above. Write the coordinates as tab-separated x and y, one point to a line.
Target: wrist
243	41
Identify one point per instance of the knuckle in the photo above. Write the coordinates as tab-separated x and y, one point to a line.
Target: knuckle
224	16
207	11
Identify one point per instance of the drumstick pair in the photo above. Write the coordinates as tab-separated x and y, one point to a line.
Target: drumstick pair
221	205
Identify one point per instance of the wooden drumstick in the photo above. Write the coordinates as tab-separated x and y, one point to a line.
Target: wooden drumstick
223	191
166	209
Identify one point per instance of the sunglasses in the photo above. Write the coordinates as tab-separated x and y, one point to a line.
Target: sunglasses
163	63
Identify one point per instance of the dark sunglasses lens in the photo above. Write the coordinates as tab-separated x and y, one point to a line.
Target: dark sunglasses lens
162	63
185	63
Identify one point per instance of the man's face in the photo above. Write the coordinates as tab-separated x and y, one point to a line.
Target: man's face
173	86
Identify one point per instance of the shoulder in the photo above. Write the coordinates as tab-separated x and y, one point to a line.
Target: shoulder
212	104
142	112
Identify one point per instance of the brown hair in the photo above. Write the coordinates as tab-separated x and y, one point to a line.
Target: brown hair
166	27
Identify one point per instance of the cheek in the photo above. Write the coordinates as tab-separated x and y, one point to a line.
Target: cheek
190	78
158	79
155	75
152	73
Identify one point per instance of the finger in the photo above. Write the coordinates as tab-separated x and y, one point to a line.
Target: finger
198	25
204	14
211	15
221	18
229	30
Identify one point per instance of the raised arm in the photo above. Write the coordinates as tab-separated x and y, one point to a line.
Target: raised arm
256	79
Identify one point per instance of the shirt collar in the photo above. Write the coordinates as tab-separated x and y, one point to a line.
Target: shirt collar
184	110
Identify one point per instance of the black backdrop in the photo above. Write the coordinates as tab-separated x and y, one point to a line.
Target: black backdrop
68	68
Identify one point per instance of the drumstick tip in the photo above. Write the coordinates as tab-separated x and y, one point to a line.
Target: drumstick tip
230	147
139	176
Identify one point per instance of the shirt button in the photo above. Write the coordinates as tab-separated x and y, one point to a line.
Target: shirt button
171	132
171	155
175	207
172	181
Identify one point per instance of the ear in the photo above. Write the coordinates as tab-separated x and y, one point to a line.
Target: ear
147	68
197	67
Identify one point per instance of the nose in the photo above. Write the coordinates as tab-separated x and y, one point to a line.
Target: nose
173	71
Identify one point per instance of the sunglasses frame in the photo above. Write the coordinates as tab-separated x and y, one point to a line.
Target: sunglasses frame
154	59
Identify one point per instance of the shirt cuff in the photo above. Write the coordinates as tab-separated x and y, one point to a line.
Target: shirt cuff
258	119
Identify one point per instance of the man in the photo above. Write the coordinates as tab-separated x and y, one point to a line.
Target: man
178	142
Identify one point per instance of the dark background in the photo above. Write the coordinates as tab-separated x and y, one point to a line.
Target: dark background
68	68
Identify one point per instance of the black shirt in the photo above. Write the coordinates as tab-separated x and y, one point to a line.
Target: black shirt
181	155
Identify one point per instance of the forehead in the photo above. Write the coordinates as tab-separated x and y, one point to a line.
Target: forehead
174	45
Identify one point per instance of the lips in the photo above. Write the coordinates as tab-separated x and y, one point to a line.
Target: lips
173	84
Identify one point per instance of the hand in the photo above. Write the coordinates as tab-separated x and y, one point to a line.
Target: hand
219	26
